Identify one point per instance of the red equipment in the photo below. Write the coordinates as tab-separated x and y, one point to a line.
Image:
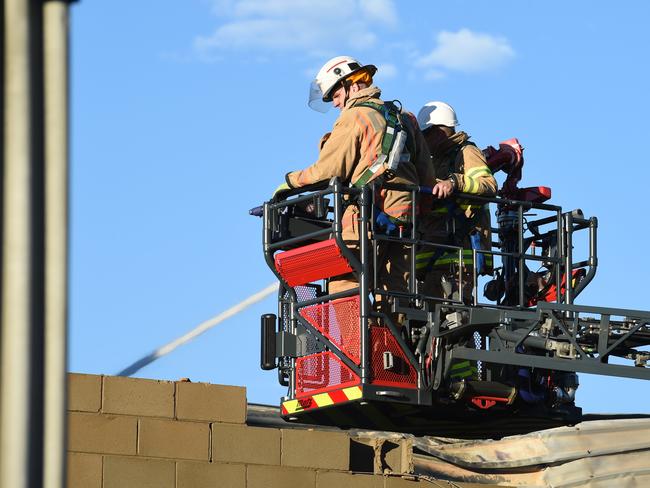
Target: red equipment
509	158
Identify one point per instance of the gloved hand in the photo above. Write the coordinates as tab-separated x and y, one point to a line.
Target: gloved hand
282	187
384	221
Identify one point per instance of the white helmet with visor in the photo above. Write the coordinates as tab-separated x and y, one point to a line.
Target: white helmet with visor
335	70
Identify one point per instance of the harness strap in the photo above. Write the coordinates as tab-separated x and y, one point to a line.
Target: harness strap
393	141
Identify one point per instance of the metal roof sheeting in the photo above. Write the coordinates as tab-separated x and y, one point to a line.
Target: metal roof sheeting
604	453
611	452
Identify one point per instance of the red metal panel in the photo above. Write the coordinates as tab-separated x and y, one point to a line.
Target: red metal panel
402	374
312	262
321	372
338	320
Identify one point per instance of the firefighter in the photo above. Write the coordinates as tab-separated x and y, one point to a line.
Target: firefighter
459	167
351	152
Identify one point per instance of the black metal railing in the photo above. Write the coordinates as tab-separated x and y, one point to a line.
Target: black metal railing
316	213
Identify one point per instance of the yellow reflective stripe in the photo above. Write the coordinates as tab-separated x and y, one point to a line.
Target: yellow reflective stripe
422	259
463	369
462	206
353	393
465	205
292	406
466	252
474	187
478	171
460	364
448	260
471	184
473	171
323	400
463	374
442	262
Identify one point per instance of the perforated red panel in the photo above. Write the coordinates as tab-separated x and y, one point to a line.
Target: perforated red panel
322	372
312	262
338	320
402	374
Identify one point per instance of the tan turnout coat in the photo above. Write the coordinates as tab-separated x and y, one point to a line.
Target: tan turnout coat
466	164
353	146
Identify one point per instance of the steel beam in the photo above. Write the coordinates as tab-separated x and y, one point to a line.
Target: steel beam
590	366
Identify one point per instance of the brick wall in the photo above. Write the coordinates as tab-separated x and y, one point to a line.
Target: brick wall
135	433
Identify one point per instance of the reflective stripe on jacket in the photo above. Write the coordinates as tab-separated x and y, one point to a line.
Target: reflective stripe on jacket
462	369
447	258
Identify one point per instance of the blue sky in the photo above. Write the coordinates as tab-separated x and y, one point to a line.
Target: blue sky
186	114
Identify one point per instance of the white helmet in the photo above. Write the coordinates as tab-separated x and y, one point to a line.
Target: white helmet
335	70
437	113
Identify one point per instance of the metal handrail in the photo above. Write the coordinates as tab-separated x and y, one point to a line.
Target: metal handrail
565	225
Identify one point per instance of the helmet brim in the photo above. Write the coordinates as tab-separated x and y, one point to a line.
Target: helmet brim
370	68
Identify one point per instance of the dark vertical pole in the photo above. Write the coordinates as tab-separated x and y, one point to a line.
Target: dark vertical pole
559	265
38	232
414	227
569	257
474	278
593	242
364	283
522	261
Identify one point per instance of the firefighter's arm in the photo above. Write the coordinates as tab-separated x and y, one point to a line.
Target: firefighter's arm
476	178
337	157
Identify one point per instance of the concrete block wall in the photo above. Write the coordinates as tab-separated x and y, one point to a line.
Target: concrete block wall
136	433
